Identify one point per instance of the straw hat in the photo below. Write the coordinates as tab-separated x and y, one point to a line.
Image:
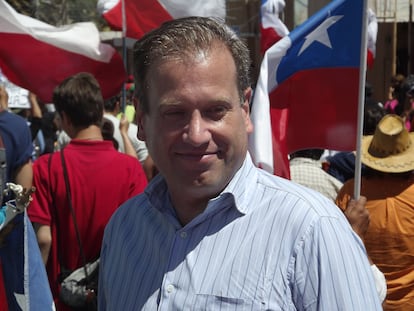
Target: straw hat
391	148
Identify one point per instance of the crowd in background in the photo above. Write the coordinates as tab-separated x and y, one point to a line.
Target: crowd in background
387	184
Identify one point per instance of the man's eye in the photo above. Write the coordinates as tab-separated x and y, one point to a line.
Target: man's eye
173	113
217	112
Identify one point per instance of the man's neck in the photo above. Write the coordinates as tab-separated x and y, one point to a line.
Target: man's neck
187	208
92	132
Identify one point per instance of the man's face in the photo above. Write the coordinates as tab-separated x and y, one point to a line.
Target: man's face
196	129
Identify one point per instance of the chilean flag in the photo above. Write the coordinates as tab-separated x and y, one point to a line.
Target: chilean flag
37	56
145	15
272	29
309	81
23	280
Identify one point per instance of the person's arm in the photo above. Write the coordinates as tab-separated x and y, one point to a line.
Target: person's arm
4	98
123	128
44	239
358	216
36	112
35	115
24	175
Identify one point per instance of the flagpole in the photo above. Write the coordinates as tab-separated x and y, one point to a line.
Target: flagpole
361	100
124	55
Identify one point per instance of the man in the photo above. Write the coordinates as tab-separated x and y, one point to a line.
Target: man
306	169
23	278
100	178
213	231
389	188
18	142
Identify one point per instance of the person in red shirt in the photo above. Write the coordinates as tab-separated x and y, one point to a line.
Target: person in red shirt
100	179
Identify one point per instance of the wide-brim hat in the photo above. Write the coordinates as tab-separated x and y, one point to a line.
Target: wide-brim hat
391	148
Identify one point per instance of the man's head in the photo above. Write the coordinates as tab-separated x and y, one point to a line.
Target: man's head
79	99
181	38
111	105
193	87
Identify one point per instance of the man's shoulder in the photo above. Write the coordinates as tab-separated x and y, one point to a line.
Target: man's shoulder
130	211
297	196
12	120
111	118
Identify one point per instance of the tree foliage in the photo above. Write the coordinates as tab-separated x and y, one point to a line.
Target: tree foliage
60	12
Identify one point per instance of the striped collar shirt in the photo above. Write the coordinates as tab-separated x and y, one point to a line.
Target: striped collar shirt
263	244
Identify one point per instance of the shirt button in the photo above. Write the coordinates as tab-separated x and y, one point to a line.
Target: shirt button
170	288
183	234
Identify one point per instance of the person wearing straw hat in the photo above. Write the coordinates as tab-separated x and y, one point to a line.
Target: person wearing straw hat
389	189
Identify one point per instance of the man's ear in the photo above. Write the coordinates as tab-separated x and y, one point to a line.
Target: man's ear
139	115
63	118
246	107
66	124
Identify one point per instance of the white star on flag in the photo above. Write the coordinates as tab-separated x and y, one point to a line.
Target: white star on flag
320	34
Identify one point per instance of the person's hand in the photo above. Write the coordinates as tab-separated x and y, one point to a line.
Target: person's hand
123	124
32	98
4	98
358	215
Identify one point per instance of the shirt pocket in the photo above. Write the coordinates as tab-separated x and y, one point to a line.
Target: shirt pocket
214	302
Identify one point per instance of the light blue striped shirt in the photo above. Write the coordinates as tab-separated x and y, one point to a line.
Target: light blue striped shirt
264	243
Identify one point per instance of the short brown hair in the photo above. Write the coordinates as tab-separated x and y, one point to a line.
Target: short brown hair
181	38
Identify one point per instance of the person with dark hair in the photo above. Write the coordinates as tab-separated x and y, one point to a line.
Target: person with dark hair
108	132
388	186
306	169
212	231
100	179
17	169
396	95
111	111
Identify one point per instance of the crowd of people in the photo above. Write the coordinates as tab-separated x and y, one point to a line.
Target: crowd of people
178	213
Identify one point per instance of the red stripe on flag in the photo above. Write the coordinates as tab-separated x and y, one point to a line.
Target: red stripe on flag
370	59
141	16
40	67
269	36
279	119
323	108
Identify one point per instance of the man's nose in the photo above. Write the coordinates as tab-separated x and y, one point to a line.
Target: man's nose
197	131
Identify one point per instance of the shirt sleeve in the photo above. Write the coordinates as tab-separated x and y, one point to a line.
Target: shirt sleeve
39	208
331	270
380	282
26	151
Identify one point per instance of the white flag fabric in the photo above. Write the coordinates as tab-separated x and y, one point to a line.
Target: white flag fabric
372	32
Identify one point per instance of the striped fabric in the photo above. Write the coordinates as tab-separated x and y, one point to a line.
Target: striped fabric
263	244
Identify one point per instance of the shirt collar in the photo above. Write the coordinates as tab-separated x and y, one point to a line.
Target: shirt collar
238	190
